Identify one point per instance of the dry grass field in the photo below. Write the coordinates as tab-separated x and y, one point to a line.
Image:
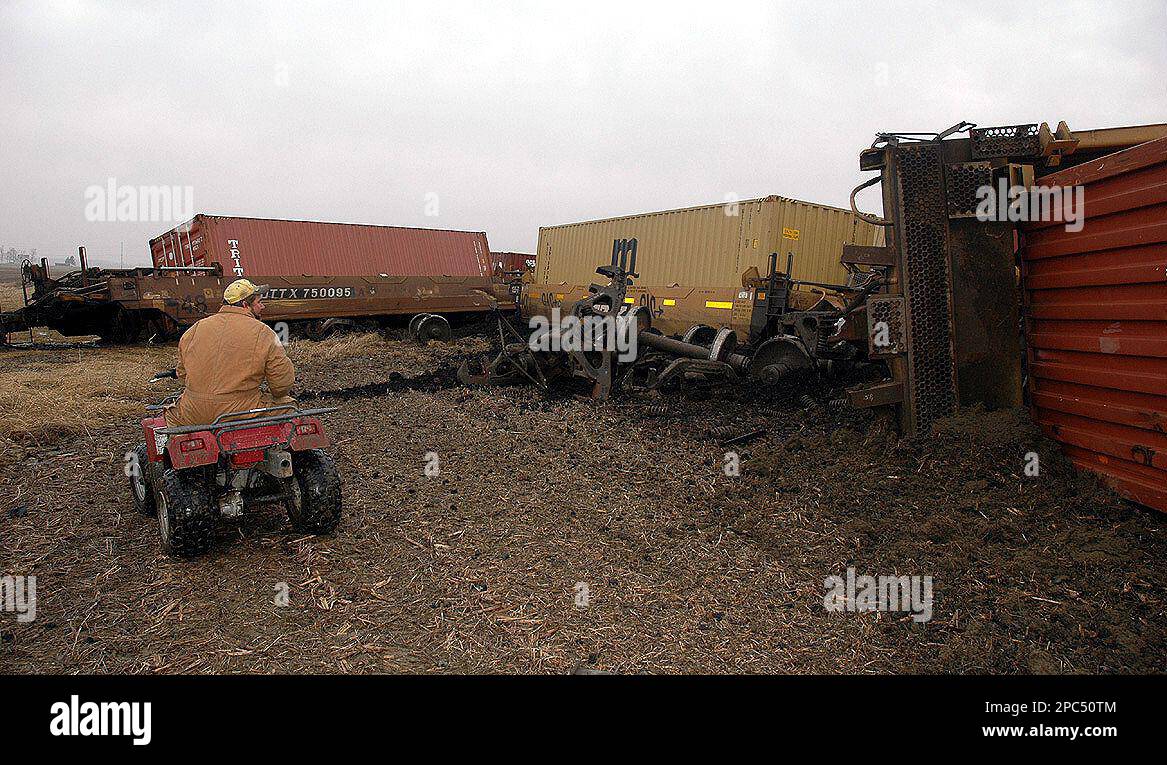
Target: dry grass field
11	296
47	396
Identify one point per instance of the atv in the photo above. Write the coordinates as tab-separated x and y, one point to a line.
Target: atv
187	475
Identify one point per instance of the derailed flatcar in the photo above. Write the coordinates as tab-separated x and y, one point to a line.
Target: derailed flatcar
322	276
125	305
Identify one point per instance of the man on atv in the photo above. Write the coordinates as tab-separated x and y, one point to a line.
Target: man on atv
223	358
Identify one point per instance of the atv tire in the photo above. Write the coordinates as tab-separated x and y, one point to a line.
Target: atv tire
141	482
185	520
315	506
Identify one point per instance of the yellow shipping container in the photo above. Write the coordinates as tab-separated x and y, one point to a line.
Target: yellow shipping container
708	246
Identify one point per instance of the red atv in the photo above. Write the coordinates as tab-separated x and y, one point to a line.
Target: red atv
189	474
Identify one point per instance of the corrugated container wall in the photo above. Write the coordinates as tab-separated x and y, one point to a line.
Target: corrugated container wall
1096	321
267	247
708	246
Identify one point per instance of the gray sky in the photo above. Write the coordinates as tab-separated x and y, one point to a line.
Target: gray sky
518	115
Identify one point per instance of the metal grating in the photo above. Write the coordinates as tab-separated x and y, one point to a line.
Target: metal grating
964	179
932	379
1007	141
887	309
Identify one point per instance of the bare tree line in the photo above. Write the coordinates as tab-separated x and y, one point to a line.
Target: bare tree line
13	256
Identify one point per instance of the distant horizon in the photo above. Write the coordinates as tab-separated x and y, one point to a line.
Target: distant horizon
92	258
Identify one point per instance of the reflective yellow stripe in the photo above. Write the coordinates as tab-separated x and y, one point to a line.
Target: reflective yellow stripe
718	304
670	301
629	300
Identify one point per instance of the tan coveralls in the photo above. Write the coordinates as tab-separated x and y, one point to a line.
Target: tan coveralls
222	359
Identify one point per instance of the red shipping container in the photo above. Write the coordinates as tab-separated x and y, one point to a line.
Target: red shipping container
1096	321
248	247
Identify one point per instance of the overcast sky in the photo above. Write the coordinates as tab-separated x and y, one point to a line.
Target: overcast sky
517	115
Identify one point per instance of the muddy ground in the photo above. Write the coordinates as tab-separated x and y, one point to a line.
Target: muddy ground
686	569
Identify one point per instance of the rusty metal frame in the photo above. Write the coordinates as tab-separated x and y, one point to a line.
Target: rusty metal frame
950	281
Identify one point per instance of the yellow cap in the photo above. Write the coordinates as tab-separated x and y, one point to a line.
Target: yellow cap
241	289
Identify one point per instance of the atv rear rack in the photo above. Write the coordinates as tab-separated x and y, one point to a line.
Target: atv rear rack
218	426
